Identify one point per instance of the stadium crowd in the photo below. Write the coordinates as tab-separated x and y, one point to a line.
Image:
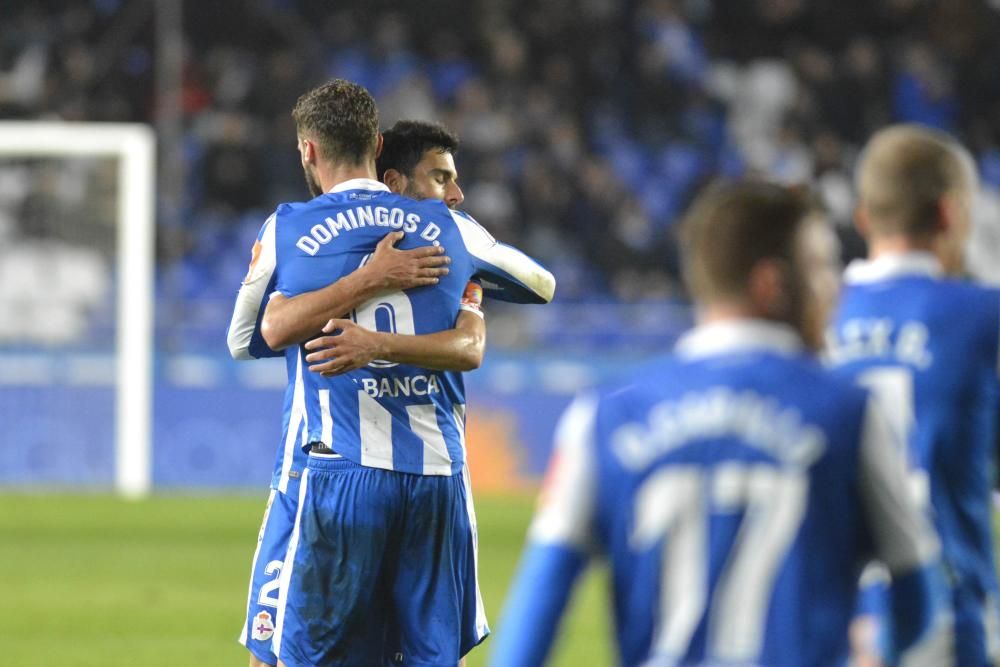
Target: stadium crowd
586	127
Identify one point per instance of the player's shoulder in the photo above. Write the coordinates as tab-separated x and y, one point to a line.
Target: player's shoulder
462	217
267	228
285	210
968	289
656	378
474	235
967	301
290	207
466	222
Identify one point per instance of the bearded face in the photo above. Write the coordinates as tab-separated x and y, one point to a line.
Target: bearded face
312	182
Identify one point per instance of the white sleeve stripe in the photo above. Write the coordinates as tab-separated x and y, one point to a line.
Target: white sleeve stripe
251	296
904	538
568	499
506	258
523	268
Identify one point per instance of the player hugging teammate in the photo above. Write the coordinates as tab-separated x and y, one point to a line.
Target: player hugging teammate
367	553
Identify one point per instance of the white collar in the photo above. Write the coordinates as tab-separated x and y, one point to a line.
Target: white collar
359	184
739	335
895	265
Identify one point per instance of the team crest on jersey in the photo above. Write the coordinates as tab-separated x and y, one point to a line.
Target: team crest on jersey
263	626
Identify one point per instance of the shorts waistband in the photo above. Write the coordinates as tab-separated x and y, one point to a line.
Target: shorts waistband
326	462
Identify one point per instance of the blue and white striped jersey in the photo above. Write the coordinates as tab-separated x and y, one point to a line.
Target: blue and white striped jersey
931	347
387	415
736	489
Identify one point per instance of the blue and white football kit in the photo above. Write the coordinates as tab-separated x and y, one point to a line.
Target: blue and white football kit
268	558
245	343
735	489
386	416
930	347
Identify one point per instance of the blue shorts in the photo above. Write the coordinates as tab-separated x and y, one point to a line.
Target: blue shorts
381	570
262	598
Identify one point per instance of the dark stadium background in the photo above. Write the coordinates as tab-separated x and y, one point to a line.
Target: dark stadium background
586	125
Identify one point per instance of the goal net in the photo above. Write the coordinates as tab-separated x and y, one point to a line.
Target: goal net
76	308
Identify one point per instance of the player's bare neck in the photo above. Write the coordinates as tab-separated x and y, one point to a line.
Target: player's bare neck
331	175
897	244
727	311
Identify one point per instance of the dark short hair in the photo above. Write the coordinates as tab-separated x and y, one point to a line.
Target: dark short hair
341	117
733	226
404	145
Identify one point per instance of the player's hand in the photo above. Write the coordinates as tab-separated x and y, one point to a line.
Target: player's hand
353	348
402	269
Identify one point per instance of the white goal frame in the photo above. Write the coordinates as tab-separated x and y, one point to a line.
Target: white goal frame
134	146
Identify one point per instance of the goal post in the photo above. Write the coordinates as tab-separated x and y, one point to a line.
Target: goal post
134	147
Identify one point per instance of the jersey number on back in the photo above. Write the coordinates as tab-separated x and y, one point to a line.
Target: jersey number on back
388	313
892	387
675	505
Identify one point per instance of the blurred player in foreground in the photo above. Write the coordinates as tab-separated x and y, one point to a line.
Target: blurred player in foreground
381	561
929	345
417	159
735	487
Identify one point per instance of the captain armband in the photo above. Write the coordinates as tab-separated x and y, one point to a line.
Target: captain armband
472	299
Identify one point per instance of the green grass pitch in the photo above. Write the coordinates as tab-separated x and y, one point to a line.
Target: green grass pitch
92	580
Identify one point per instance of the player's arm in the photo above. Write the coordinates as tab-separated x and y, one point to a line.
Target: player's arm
905	541
243	337
559	543
291	320
457	349
507	273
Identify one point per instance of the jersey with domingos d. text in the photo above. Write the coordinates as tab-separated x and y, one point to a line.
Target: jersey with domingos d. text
386	415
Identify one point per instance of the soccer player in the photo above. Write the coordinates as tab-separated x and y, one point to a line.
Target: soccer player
381	562
928	343
736	486
418	159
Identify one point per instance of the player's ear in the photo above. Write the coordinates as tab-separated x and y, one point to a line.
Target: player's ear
767	288
951	231
308	150
949	213
861	221
379	144
394	180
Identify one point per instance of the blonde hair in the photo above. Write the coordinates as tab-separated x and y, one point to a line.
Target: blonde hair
903	173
